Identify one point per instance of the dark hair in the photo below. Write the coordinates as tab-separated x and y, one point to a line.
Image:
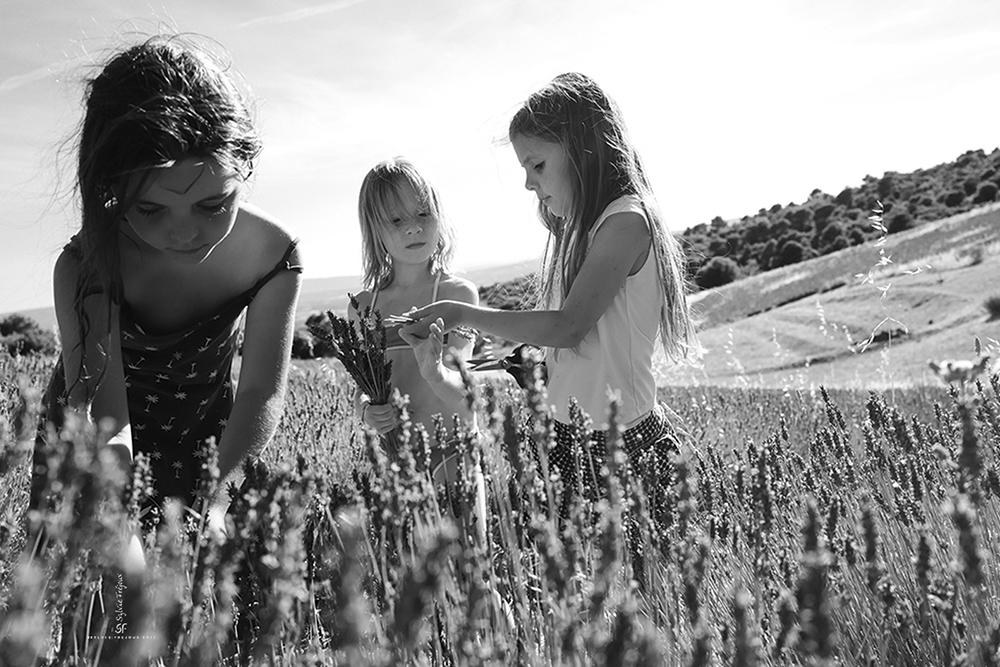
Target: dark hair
575	113
150	105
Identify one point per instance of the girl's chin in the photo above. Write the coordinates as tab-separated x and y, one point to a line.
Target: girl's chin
190	258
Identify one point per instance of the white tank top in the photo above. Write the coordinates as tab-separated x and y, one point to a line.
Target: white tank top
617	354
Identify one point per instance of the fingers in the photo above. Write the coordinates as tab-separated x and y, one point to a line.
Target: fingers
409	337
437	330
419	313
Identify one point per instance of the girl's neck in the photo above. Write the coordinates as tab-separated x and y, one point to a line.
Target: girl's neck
409	275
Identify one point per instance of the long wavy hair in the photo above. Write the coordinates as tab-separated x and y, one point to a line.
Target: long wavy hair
381	191
150	105
573	112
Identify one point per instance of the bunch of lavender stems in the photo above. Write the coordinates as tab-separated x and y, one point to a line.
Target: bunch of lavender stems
361	352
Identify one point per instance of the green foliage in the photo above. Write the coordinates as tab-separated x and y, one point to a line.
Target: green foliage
717	272
928	194
302	345
954	198
986	193
992	305
899	221
792	251
22	335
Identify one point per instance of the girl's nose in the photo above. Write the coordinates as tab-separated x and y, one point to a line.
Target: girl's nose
184	230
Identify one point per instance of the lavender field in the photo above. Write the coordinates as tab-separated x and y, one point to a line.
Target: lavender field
799	527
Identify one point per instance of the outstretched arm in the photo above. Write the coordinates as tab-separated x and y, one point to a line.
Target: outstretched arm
432	353
619	249
260	394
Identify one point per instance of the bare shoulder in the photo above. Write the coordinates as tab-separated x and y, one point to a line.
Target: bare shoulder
263	238
67	268
364	298
454	288
631	223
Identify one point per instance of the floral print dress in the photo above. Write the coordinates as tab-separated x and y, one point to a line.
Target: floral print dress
180	390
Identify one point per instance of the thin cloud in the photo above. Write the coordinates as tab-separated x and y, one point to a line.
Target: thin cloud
300	14
39	74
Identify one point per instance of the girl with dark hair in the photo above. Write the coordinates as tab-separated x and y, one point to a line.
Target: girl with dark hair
169	262
613	278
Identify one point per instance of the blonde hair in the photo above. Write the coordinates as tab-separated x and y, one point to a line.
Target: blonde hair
381	189
573	112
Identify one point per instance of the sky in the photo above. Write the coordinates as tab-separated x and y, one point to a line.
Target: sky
733	105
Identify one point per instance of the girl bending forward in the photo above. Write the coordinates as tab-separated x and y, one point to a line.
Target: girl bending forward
169	259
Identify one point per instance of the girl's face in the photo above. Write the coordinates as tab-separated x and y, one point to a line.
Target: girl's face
547	172
411	236
187	209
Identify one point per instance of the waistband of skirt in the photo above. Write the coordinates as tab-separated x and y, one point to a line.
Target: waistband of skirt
652	427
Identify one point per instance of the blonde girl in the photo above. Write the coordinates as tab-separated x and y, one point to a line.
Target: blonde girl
613	279
408	246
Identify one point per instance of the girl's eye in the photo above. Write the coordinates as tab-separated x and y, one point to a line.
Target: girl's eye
214	209
424	214
147	212
539	166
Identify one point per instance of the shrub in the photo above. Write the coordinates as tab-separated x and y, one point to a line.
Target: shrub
833	238
302	345
885	186
717	272
799	218
320	348
845	198
954	198
791	252
992	305
22	335
987	192
899	222
823	212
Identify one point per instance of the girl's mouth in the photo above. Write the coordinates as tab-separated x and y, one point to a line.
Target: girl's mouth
192	251
418	244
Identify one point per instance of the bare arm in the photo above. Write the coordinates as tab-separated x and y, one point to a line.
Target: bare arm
95	377
260	394
619	247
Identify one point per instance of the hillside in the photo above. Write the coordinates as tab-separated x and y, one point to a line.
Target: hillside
781	235
806	324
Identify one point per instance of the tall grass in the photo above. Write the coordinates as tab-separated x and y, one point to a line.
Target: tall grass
797	528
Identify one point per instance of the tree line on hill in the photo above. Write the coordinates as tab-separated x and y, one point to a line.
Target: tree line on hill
721	251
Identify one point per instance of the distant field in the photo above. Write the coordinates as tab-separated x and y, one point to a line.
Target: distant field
938	244
805	324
